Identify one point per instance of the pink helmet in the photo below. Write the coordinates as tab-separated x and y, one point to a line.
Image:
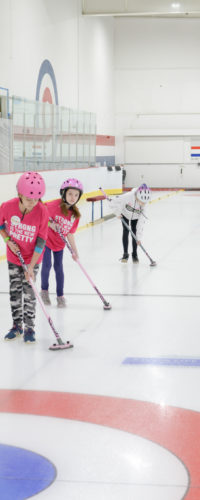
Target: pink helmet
143	193
32	185
71	183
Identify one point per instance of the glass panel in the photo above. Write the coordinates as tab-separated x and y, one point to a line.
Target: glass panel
49	136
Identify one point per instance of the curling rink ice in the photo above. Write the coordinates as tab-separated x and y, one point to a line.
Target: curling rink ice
118	416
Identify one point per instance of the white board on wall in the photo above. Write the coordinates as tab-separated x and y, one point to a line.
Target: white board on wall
154	150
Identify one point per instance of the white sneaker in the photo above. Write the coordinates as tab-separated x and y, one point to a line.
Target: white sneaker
61	302
125	257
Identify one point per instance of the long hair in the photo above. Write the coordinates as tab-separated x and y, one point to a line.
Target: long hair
65	210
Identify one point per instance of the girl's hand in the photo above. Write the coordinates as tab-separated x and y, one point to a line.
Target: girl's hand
74	256
13	246
30	274
54	226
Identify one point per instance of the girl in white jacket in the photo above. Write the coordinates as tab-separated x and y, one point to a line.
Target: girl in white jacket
131	207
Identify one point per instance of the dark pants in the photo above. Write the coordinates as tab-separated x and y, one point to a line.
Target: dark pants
22	297
58	267
125	236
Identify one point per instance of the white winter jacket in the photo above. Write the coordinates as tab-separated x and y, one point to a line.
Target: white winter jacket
118	207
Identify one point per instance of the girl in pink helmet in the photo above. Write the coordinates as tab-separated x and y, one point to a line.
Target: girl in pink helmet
131	207
24	227
64	213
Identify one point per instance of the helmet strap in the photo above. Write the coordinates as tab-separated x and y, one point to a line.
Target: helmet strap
69	206
23	214
24	209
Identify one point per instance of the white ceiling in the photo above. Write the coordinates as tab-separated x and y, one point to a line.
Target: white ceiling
142	8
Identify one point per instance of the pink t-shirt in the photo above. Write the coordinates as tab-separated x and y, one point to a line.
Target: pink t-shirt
67	223
24	230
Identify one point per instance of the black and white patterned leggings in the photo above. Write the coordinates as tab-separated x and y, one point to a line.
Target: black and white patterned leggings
22	297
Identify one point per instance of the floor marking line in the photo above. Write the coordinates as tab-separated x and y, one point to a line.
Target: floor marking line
167	426
163	361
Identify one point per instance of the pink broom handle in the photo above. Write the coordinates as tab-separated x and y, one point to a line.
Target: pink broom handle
106	304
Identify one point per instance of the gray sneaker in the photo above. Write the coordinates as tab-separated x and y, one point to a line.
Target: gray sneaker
61	302
45	297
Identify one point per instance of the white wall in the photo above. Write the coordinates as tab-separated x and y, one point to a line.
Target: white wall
157	83
79	49
96	73
164	176
140	76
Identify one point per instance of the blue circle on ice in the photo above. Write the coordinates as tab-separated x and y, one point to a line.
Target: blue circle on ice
23	473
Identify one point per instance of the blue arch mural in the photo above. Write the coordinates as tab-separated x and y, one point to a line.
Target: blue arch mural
46	68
